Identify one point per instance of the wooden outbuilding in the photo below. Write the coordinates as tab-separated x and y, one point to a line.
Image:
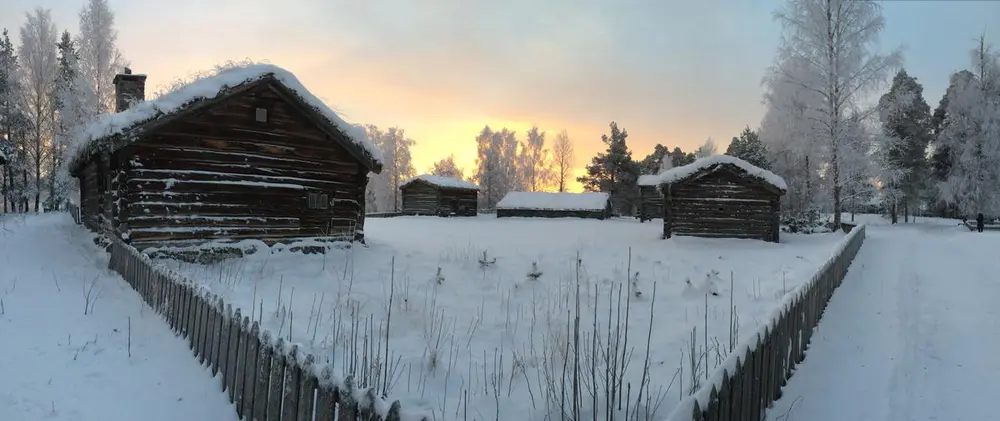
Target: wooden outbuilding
722	196
436	195
555	205
650	199
244	153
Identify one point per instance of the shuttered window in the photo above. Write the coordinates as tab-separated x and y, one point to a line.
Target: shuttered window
318	201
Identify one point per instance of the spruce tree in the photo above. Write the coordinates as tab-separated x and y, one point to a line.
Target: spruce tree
748	147
614	172
906	120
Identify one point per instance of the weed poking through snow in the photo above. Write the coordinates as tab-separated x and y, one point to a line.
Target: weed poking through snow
534	274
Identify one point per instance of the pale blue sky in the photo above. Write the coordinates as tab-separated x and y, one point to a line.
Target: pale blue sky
668	71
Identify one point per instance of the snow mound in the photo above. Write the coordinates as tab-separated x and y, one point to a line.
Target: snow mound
681	173
554	201
443	182
207	87
649	180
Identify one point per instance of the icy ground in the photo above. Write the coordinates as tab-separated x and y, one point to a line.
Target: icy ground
911	334
472	340
56	363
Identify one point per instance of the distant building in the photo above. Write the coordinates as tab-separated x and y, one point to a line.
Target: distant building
555	205
650	199
722	196
436	195
247	153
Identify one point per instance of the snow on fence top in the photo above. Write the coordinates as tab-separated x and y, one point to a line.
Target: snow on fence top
444	182
677	174
554	201
207	87
649	180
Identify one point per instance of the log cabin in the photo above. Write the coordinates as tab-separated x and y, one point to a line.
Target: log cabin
650	199
593	205
722	196
437	195
243	153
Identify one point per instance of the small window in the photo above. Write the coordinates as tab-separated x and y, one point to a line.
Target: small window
319	201
262	115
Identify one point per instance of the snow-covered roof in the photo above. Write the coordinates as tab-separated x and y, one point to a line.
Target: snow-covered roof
554	201
443	182
681	173
207	87
649	180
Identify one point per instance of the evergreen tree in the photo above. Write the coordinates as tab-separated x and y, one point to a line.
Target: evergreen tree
614	172
906	121
70	99
9	87
680	158
748	147
651	163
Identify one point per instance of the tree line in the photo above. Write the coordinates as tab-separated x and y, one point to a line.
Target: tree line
51	84
845	143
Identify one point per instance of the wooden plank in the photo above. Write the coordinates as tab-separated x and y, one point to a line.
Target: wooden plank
293	380
263	385
307	390
276	389
252	340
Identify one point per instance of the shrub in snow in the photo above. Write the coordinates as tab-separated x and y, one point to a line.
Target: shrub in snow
706	286
534	274
439	278
633	286
486	262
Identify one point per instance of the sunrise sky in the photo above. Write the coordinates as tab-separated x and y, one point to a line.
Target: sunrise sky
672	72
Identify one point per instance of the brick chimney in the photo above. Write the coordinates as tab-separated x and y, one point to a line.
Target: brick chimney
129	89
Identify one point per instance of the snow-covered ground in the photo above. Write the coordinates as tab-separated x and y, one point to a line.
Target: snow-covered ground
488	340
910	335
58	363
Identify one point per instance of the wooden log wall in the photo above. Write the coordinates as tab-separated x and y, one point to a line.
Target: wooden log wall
721	205
459	202
651	205
548	213
420	199
264	378
90	196
220	174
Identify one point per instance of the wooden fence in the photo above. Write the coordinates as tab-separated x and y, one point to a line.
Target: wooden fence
751	379
266	379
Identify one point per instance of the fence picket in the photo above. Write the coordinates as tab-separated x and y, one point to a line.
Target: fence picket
250	372
293	375
276	388
241	364
263	377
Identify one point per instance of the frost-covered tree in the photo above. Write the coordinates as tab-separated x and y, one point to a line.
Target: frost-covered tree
562	159
497	169
970	135
828	47
706	149
613	171
748	147
11	120
535	161
71	98
447	168
905	118
100	58
39	70
787	132
397	167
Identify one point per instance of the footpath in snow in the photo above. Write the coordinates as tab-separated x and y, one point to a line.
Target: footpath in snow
910	335
56	362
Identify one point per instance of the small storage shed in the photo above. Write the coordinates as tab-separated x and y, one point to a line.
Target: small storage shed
722	196
243	153
436	195
650	199
555	205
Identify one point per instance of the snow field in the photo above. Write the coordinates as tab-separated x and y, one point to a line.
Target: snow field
486	318
79	344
